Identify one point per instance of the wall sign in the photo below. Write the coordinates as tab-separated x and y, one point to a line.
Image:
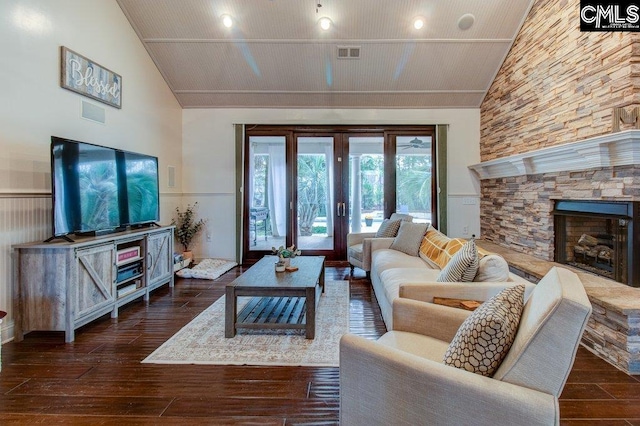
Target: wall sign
81	75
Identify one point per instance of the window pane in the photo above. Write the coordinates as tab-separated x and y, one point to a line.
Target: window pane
267	197
315	193
366	183
413	176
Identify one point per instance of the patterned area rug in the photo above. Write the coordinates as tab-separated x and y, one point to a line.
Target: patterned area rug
202	341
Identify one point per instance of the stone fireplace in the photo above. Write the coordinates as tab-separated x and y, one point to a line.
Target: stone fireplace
598	236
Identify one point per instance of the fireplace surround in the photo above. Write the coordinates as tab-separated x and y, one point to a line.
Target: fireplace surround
600	237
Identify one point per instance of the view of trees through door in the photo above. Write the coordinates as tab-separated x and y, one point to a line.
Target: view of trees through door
312	188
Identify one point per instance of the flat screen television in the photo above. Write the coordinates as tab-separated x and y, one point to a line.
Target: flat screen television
99	189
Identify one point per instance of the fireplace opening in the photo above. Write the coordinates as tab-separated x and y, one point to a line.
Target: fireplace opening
599	237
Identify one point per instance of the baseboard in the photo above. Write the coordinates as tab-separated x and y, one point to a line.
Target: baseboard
7	331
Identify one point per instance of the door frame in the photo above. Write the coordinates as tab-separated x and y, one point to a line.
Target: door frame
290	133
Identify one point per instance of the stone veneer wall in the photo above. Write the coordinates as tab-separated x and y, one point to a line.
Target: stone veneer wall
558	85
515	212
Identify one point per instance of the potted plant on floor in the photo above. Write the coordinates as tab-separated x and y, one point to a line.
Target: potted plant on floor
187	228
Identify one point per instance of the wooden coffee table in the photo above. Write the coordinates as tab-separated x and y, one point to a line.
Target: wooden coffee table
281	299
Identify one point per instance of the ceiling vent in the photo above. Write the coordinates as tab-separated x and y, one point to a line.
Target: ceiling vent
348	52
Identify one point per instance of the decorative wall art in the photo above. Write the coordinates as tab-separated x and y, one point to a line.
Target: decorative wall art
81	75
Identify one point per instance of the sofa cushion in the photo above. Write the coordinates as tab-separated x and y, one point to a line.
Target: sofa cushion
493	268
388	228
417	344
385	259
393	278
463	266
355	251
485	337
409	237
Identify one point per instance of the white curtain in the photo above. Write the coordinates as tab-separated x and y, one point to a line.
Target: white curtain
328	152
277	189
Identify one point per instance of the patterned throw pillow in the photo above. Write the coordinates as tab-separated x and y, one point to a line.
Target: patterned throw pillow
485	337
463	266
409	237
388	228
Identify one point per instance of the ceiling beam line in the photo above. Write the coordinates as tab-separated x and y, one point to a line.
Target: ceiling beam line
331	41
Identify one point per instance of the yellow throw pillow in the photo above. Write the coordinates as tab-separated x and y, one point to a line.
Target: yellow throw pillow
437	249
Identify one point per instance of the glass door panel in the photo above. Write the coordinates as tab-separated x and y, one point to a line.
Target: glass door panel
414	166
366	183
316	213
267	192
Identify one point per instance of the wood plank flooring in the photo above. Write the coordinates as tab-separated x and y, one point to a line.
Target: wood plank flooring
98	379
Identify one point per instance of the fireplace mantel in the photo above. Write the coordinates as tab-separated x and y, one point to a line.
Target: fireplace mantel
614	149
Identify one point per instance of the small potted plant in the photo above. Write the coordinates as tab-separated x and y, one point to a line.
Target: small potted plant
285	254
368	219
187	227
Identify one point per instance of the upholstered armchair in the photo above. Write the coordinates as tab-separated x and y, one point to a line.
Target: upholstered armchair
401	379
359	245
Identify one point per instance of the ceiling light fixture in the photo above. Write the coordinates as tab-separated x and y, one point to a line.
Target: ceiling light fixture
325	23
418	23
227	21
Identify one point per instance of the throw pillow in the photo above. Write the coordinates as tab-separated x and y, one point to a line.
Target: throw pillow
432	247
401	216
485	337
409	237
388	228
493	268
463	266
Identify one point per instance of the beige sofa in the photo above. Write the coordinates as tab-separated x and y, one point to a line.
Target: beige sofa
396	274
401	379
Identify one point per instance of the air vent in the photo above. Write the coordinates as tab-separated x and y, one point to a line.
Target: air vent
92	112
348	52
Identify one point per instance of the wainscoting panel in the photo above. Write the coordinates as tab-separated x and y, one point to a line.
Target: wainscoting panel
23	218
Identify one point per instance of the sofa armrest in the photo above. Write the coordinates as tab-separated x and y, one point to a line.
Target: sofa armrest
358	237
482	291
380	385
369	245
440	322
377	243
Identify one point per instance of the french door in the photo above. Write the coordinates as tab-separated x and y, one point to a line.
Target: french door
311	187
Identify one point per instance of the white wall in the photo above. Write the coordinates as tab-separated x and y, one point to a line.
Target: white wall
209	161
33	107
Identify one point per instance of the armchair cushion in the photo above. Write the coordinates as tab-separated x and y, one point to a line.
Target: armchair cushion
409	237
388	228
463	266
484	338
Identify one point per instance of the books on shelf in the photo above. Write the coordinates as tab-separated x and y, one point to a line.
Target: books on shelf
126	289
127	255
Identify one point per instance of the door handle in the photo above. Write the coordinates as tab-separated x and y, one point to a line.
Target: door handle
344	209
338	209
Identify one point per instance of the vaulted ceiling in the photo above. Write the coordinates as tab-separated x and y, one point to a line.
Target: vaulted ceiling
275	55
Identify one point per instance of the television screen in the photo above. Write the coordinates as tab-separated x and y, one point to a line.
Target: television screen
85	187
142	188
96	188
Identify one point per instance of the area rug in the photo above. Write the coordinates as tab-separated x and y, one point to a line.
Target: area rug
207	269
202	341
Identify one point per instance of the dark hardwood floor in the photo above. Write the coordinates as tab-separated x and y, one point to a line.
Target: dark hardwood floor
99	380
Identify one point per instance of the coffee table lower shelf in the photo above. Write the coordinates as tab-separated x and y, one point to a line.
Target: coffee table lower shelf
273	312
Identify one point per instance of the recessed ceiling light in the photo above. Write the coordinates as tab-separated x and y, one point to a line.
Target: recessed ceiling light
325	23
466	21
227	21
418	23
